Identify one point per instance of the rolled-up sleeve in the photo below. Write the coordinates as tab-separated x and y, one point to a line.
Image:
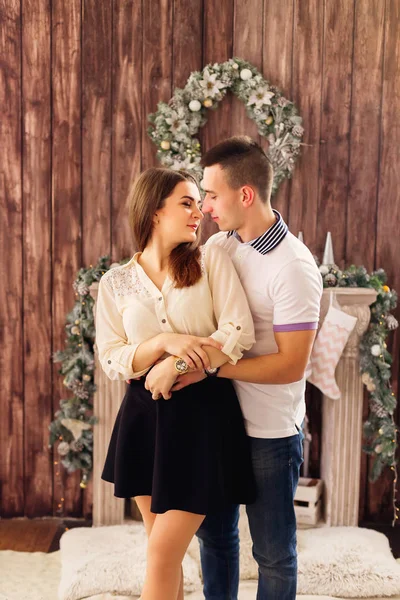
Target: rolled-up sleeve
114	351
232	312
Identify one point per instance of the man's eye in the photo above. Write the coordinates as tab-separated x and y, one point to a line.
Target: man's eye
213	197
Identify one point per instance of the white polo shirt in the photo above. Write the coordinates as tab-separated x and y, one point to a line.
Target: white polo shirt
283	286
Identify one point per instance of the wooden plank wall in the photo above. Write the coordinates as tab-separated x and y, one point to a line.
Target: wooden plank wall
78	80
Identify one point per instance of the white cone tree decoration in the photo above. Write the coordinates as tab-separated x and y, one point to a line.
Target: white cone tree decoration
328	258
300	236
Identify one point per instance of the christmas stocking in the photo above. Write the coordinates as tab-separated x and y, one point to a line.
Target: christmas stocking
328	348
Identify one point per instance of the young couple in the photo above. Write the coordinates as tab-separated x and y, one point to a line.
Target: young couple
215	341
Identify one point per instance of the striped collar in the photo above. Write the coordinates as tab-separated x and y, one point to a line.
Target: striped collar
270	239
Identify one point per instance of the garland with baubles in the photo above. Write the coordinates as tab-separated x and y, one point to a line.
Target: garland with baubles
72	428
176	123
380	431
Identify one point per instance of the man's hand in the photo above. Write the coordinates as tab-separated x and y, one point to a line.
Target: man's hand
161	378
187	379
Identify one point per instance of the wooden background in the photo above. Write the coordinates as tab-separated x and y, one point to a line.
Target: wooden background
78	80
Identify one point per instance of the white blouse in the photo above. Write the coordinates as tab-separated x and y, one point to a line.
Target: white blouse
131	309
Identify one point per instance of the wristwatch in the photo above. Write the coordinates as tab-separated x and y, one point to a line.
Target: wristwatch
212	372
181	366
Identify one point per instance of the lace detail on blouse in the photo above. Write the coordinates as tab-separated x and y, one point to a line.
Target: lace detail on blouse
202	260
125	282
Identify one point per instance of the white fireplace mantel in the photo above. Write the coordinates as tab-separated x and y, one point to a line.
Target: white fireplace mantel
341	427
342	419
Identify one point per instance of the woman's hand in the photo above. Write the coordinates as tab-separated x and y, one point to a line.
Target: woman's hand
189	348
161	378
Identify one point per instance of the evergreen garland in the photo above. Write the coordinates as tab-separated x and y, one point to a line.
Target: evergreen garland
73	423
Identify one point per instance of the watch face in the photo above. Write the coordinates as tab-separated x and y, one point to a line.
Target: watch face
181	365
211	370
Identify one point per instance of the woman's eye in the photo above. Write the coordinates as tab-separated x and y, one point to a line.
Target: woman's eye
187	204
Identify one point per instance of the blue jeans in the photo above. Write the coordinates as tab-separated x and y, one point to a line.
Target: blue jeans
272	521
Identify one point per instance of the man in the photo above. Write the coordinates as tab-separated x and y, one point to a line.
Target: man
284	288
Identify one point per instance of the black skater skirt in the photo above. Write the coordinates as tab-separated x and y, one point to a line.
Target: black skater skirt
188	453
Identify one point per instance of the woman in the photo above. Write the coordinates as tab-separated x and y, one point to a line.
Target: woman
181	454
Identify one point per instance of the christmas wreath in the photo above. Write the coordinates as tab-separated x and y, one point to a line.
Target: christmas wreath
175	124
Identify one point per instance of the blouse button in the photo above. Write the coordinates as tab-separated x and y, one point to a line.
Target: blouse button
163	321
160	298
109	362
238	328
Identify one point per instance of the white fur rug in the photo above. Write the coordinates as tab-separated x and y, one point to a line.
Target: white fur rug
343	562
347	562
106	559
29	575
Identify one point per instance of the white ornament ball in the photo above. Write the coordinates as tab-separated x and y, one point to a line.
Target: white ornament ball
378	448
376	350
165	145
195	105
246	74
235	66
324	270
63	448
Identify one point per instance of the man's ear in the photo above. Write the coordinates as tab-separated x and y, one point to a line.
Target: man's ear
248	195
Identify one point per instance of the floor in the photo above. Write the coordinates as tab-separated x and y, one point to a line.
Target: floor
392	533
35	535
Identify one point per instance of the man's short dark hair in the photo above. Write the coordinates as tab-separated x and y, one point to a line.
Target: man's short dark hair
244	163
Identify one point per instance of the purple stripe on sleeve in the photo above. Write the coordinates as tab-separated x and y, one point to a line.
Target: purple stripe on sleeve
296	327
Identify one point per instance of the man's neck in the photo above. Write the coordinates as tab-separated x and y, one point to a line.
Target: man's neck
257	223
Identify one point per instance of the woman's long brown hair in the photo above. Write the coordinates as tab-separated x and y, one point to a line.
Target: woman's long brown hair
147	195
